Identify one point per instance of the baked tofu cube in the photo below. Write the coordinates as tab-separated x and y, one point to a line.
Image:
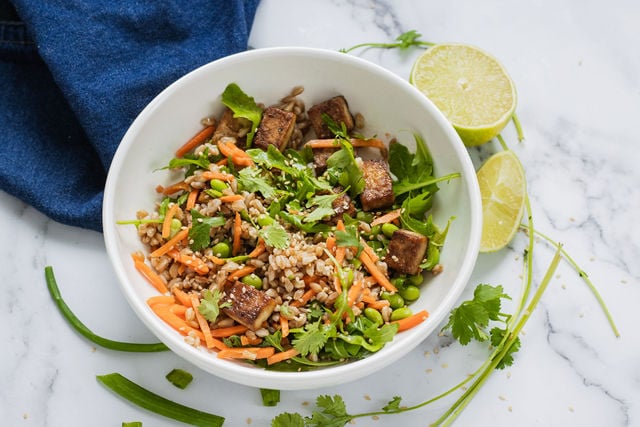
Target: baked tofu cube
320	156
230	126
336	108
342	205
405	251
249	306
276	128
378	186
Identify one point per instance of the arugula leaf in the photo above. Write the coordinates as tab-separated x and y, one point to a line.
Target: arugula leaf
200	232
374	338
307	227
210	304
469	319
243	106
275	235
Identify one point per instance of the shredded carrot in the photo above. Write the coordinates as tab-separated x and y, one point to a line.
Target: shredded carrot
386	218
284	326
378	304
227	177
305	298
372	268
192	199
179	236
161	299
231	198
163	311
222	162
191	261
151	276
246	341
259	249
196	140
240	273
166	223
204	324
137	256
331	143
237	233
331	244
173	188
354	292
182	297
238	156
283	355
179	310
411	321
228	331
250	353
369	251
216	260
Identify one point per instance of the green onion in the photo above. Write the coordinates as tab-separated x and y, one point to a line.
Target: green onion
270	397
179	378
132	424
148	400
86	332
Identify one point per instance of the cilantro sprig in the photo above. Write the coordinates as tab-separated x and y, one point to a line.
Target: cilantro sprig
403	42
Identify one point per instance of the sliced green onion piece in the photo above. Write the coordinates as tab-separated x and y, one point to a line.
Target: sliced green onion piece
179	378
86	332
148	400
132	424
270	397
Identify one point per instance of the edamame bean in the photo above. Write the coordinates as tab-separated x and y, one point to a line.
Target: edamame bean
218	185
400	313
398	282
395	300
222	249
388	229
410	293
416	279
373	315
252	280
375	230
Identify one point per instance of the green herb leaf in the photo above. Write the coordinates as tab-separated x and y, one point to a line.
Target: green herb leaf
312	337
210	304
252	180
393	405
200	231
275	235
332	413
342	167
287	419
497	336
243	106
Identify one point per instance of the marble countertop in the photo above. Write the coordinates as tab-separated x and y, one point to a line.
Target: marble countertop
576	68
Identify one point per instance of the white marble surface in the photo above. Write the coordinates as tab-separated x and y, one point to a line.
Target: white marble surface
576	66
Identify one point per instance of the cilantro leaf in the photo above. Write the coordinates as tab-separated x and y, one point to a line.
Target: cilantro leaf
332	413
312	337
252	180
349	237
271	158
243	106
497	335
393	405
210	304
275	235
200	232
344	170
287	419
470	318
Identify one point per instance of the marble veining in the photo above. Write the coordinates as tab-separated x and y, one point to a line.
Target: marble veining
576	69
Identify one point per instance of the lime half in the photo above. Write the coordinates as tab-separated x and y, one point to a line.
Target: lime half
503	190
469	86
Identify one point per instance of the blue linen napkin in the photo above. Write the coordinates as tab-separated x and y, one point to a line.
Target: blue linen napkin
74	75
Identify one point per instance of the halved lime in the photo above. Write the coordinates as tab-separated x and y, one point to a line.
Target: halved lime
469	86
503	190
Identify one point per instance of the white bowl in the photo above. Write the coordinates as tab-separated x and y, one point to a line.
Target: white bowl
389	104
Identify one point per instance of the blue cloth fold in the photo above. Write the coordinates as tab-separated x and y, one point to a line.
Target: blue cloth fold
74	75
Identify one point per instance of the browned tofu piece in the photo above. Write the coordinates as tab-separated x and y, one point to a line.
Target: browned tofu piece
405	251
320	156
276	128
231	126
336	108
378	190
249	306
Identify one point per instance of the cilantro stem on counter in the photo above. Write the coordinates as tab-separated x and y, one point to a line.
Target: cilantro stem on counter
86	332
146	399
403	42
